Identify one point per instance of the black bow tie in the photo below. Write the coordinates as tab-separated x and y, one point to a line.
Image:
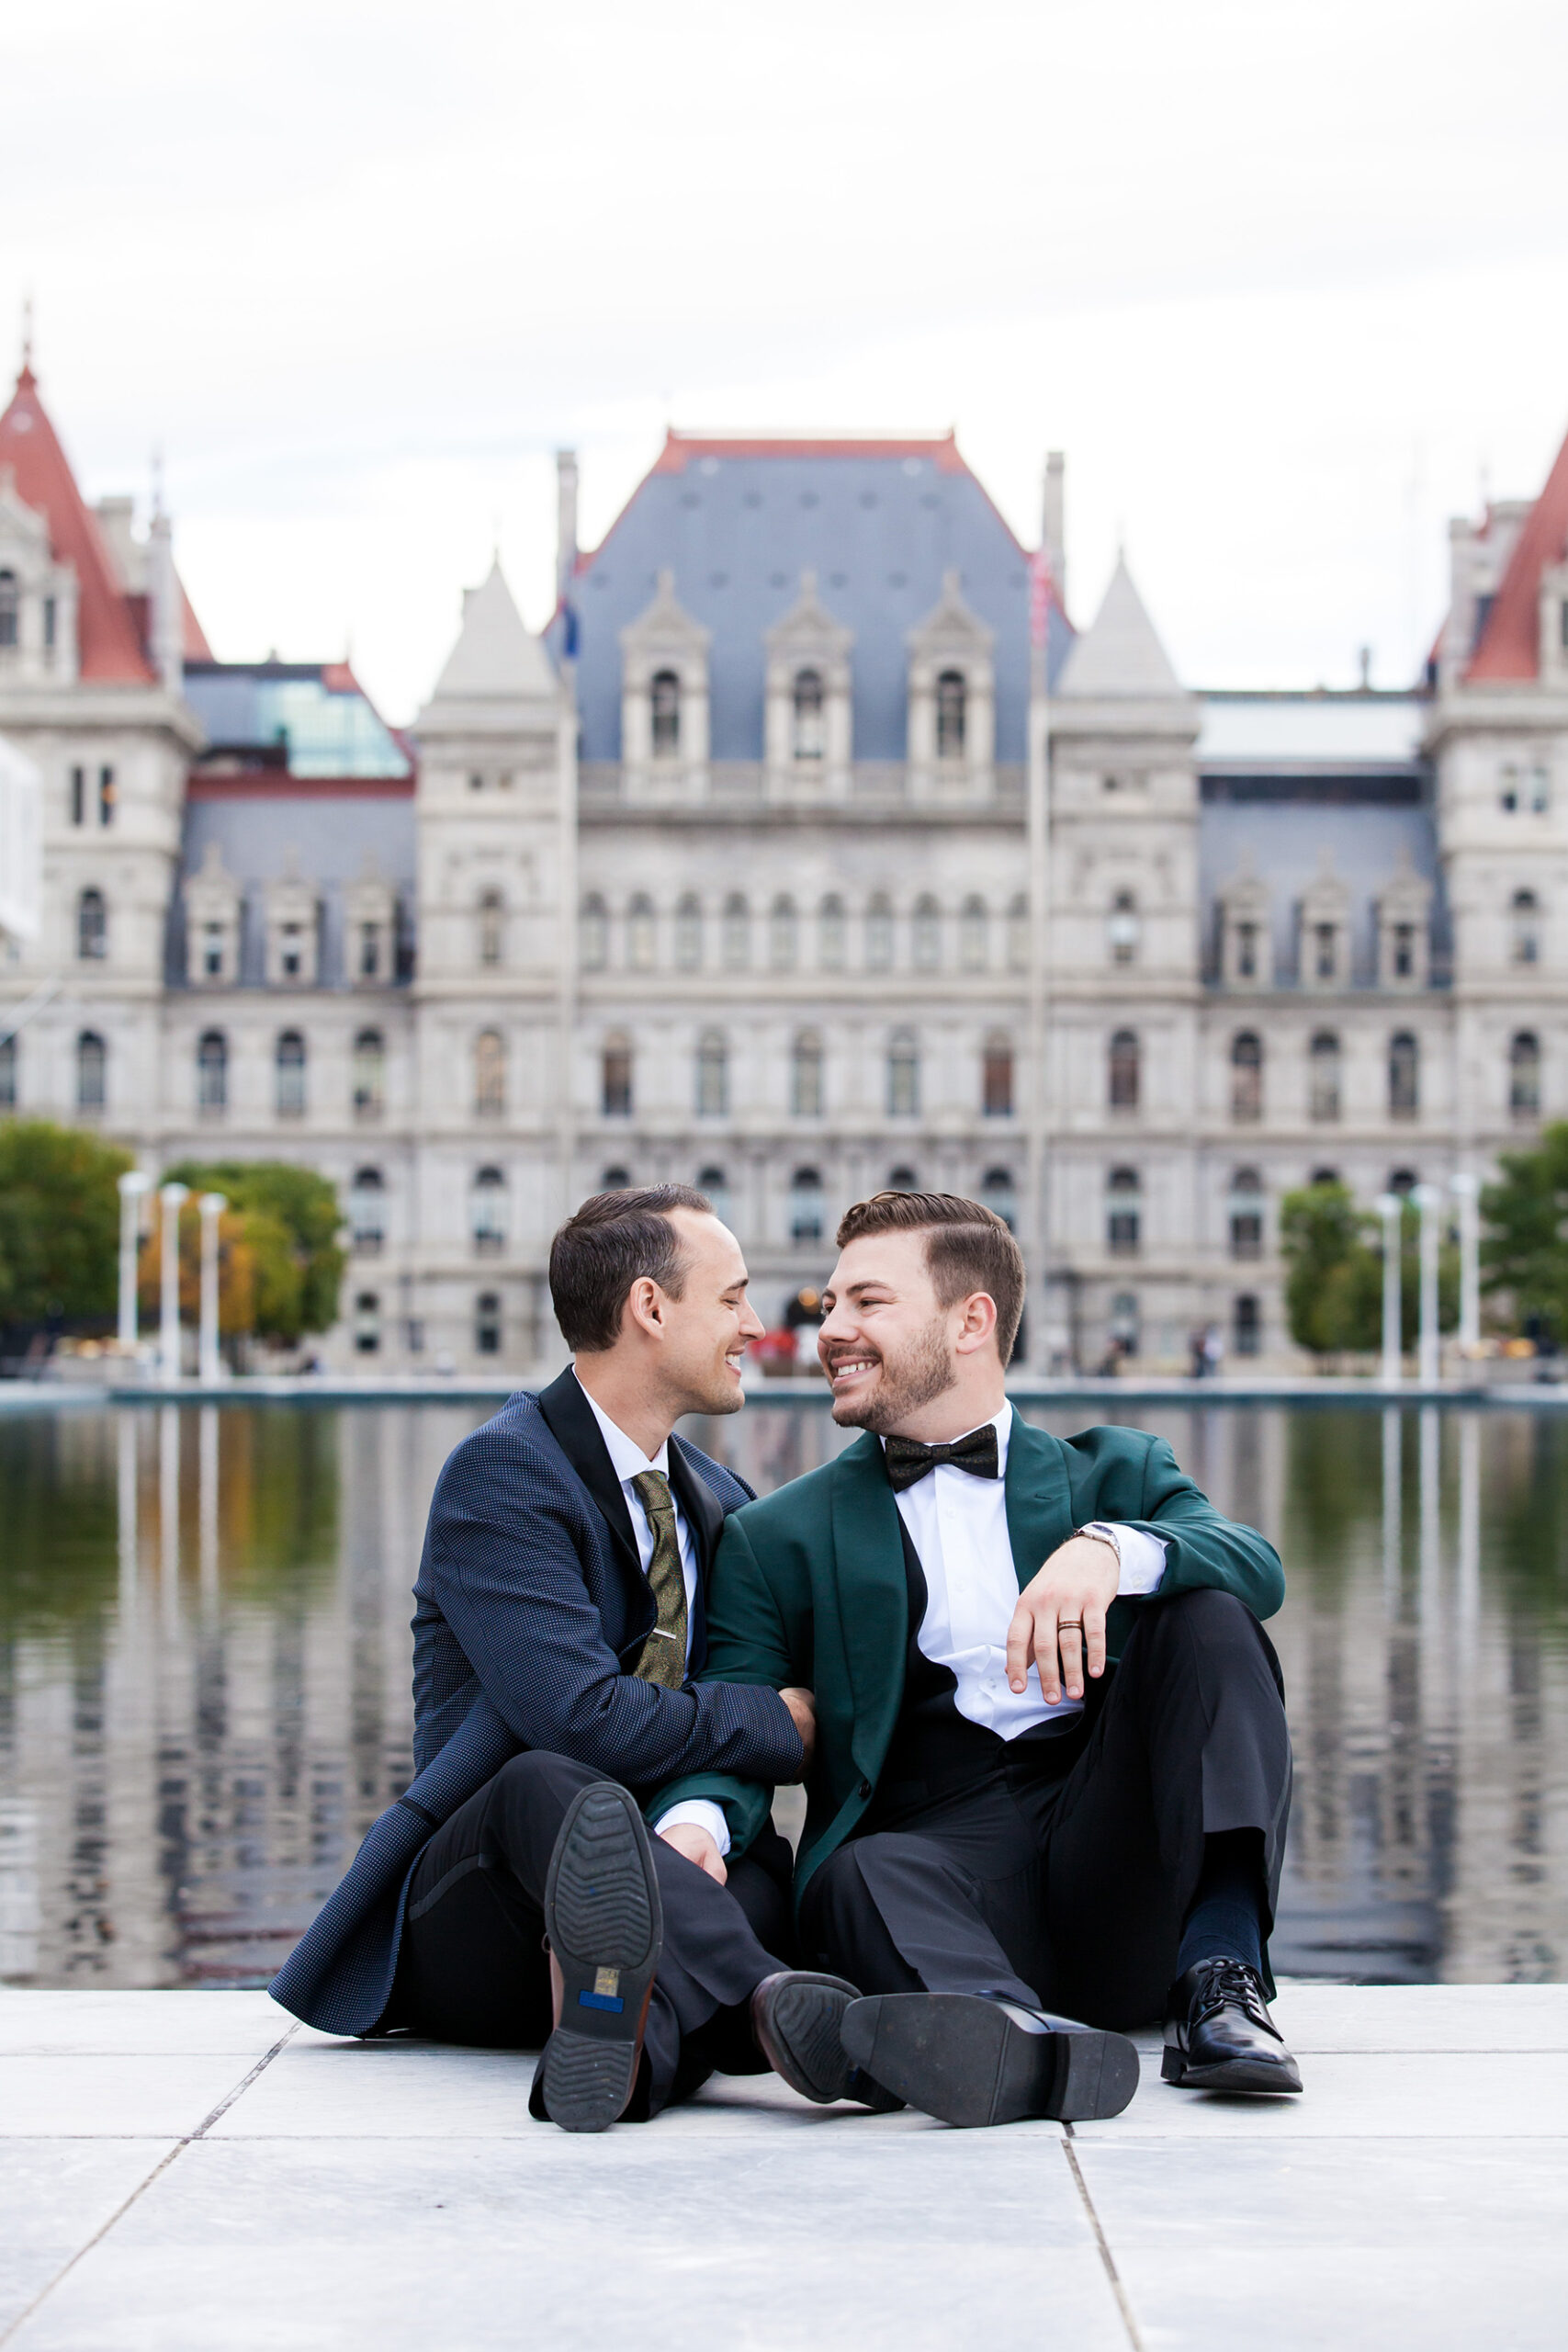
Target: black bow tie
908	1459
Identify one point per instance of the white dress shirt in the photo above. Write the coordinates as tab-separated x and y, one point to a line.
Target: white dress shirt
958	1525
628	1461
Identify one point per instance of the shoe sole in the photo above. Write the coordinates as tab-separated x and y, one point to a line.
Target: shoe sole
964	2060
1253	2075
799	2032
604	1923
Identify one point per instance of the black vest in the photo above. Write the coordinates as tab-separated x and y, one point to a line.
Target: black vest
935	1753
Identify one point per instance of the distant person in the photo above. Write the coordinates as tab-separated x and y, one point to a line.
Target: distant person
1213	1351
1051	1769
510	1898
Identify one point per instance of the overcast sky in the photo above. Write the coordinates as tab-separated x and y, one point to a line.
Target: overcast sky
1288	284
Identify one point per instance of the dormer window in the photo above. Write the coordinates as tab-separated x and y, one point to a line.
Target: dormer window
213	937
1404	951
664	700
952	715
1247	951
291	951
1324	946
809	741
10	611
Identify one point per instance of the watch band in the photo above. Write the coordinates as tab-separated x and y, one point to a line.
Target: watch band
1099	1532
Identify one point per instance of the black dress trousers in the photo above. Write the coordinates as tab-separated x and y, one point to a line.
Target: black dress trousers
473	1967
1060	1874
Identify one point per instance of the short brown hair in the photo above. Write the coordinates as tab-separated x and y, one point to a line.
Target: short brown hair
967	1248
615	1239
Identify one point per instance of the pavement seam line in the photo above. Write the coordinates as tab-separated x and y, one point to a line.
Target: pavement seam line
162	2166
1117	2288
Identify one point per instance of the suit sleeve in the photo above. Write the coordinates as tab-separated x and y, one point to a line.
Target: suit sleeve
1201	1546
748	1645
505	1570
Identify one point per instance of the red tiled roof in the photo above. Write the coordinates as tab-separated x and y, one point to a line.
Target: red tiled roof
1509	647
109	636
679	448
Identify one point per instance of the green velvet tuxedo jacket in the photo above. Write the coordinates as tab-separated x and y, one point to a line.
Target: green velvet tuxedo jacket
809	1588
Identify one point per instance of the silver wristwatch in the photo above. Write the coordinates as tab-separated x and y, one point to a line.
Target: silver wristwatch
1100	1531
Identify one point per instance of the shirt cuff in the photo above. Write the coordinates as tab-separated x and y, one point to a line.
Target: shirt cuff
702	1813
1142	1561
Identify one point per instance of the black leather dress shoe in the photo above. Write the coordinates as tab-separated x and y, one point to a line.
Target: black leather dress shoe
605	1925
1219	2035
796	2016
969	2060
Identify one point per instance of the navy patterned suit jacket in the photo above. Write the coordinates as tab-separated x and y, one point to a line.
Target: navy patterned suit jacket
532	1610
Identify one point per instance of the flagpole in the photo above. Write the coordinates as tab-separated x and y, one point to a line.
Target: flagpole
1037	1227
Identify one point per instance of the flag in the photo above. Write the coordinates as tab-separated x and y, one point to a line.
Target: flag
1040	589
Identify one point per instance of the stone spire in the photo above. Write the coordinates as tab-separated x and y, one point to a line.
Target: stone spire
1120	654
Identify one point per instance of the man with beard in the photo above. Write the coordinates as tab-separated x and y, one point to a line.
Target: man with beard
1051	1769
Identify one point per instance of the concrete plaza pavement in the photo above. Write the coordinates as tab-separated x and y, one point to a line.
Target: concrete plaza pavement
191	2172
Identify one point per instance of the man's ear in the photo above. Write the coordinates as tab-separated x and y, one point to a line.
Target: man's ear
978	1324
645	1304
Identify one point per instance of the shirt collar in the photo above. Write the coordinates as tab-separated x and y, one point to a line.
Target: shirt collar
627	1457
1001	1422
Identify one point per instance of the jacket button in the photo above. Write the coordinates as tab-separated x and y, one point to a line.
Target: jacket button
865	1788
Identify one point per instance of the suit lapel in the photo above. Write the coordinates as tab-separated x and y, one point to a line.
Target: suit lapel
1039	1498
873	1606
569	1418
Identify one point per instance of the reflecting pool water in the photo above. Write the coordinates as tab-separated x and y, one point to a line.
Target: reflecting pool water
204	1670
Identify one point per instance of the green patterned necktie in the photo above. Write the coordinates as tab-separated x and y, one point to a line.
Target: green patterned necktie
663	1658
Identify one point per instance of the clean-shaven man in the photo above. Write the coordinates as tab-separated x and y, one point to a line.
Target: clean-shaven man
510	1898
1051	1769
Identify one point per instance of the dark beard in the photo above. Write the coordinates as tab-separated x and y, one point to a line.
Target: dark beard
918	1377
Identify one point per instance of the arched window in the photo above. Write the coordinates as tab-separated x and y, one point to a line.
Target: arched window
664	699
903	1075
782	935
369	1074
640	933
368	1323
1122	928
10	611
952	715
616	1078
832	935
805	1205
927	933
689	934
594	934
1404	1075
1524	1074
492	927
1246	1075
1324	951
1123	1191
1526	914
809	715
1246	1326
879	934
1018	934
1123	1329
1403	957
1324	1082
714	1184
490	1074
616	1180
487	1212
8	1073
291	951
998	1194
486	1323
903	1179
92	927
805	1075
367	1212
212	1071
1246	1213
713	1075
974	935
288	1072
1328	1176
996	1075
92	1071
1123	1071
737	933
1402	1181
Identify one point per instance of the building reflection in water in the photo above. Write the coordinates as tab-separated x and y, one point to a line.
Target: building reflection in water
204	1671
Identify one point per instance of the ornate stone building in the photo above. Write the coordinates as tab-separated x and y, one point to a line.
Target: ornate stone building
790	861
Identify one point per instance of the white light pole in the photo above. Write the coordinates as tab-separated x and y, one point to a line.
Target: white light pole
211	1206
1466	1190
133	1185
174	1197
1428	1200
1391	1208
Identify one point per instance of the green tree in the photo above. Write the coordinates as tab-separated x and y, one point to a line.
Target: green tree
1334	1286
290	1222
59	1222
1525	1254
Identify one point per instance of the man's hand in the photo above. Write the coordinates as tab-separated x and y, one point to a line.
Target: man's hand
698	1845
802	1705
1073	1590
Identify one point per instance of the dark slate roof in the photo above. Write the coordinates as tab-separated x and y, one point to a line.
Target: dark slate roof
331	837
1283	845
737	521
